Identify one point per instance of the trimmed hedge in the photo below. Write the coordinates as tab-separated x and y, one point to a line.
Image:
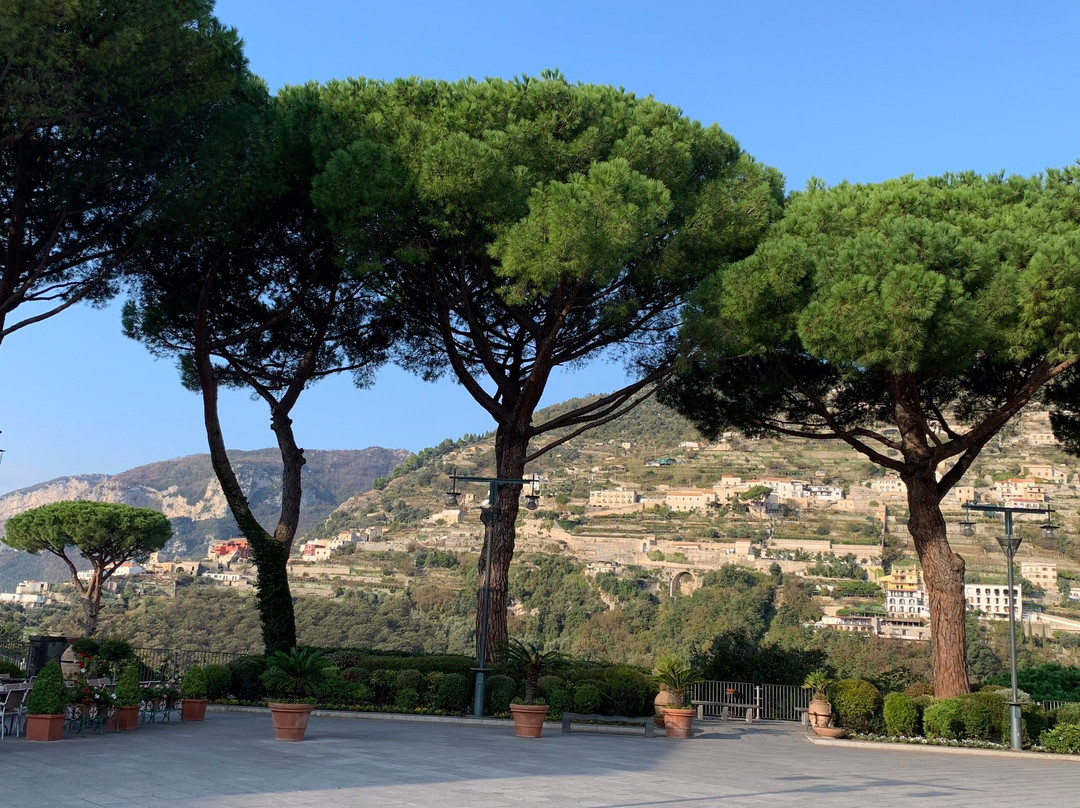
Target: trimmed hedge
1063	738
901	715
500	691
587	699
218	681
453	693
943	719
857	705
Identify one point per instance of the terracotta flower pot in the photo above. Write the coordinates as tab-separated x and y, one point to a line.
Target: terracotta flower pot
193	709
47	727
290	720
125	718
678	721
820	713
528	719
830	732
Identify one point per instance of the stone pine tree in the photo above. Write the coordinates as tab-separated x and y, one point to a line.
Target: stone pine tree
539	225
106	534
243	284
101	100
939	307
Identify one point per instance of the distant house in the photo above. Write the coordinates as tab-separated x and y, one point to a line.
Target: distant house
1041	574
229	550
993	599
315	551
689	499
614	497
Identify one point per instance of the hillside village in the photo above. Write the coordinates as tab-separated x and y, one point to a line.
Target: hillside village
677	507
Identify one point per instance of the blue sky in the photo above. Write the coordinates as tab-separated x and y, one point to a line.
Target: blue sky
861	91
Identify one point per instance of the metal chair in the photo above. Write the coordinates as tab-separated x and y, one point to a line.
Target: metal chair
13	710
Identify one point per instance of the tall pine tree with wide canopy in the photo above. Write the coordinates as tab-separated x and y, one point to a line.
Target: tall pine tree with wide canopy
102	101
242	282
539	224
939	306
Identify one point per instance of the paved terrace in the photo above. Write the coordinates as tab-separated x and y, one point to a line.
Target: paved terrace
231	760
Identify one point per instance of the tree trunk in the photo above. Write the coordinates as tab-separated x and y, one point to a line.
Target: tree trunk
92	604
943	573
511	447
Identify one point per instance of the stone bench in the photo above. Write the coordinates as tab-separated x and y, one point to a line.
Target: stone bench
725	708
645	721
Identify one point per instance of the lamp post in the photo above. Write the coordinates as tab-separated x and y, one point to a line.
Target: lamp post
1010	544
489	516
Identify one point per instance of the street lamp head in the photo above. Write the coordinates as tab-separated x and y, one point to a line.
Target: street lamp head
1010	544
532	501
967	528
452	498
1049	531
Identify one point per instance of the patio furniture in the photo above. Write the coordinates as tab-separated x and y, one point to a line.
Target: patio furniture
725	708
645	721
13	709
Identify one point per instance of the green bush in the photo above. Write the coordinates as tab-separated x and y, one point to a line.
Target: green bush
559	699
194	684
547	684
500	691
128	690
1049	682
355	675
943	719
453	693
246	672
218	681
1065	714
1062	738
409	679
431	686
587	699
337	691
984	715
48	696
627	691
856	705
408	699
11	669
901	715
384	683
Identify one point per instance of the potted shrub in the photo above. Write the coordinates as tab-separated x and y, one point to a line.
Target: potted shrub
820	712
529	712
292	678
128	696
46	705
193	693
676	676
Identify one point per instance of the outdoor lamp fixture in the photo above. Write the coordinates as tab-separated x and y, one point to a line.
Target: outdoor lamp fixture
1010	544
1049	531
489	516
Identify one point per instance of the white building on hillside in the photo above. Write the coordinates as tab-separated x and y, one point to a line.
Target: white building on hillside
993	599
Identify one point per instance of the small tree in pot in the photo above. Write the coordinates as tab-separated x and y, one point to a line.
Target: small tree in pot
529	712
676	676
46	705
193	692
128	696
293	677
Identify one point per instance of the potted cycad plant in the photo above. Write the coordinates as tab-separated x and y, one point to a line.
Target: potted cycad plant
46	704
128	696
676	676
529	712
292	678
193	693
820	710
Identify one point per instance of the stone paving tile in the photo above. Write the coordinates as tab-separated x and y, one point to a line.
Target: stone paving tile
231	761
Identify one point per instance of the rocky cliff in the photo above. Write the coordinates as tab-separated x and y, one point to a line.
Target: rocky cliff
186	491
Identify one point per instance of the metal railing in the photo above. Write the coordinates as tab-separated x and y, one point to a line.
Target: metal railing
154	663
169	663
774	702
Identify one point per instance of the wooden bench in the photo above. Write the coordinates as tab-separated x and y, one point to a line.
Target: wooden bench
645	721
725	708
